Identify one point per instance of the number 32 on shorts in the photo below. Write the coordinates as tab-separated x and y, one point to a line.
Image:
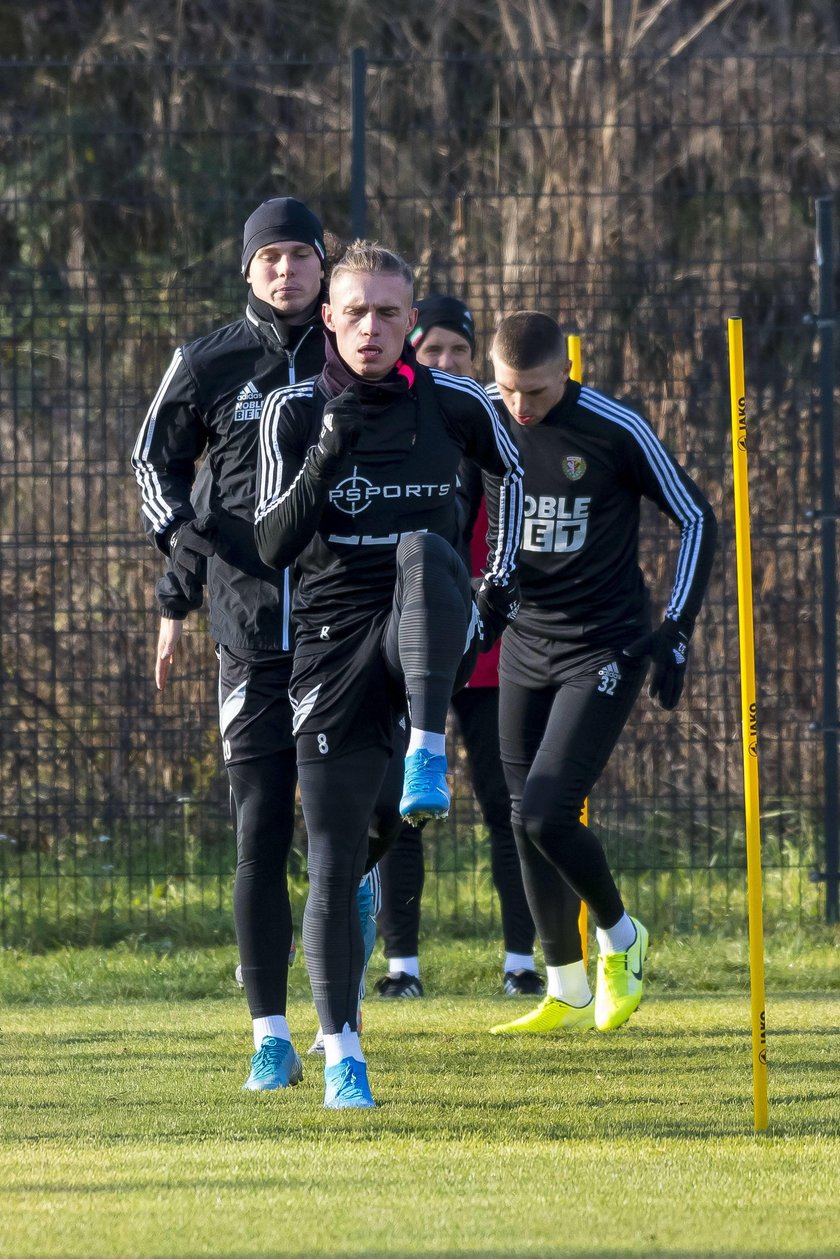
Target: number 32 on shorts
610	676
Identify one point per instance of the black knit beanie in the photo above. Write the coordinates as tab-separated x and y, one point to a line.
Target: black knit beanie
438	311
281	218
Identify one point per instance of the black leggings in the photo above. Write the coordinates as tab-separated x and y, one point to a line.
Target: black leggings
555	743
263	793
427	638
424	646
343	800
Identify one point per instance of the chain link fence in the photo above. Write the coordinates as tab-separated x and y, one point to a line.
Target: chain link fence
639	201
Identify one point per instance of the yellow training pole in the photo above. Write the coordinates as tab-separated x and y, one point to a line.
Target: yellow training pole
749	718
573	344
583	916
576	373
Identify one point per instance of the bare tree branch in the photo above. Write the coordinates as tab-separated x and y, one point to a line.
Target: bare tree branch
683	42
647	22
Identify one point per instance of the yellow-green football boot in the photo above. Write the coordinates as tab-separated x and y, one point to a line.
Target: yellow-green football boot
550	1016
618	988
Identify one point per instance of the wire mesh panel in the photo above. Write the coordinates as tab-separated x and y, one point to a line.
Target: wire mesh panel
641	203
638	201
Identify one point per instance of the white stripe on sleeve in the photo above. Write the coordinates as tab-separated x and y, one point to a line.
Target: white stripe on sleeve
154	504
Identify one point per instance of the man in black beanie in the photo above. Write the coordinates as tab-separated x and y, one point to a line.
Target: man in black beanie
444	335
209	404
286	221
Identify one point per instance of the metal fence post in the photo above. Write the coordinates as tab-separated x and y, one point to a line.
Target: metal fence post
826	319
358	201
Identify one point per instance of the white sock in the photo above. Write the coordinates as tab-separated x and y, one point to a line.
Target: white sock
616	939
343	1044
408	966
434	743
519	961
568	983
271	1025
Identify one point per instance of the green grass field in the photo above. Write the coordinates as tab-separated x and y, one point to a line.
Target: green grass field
125	1132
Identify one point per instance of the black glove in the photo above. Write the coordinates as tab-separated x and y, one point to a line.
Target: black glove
498	607
189	549
668	649
340	431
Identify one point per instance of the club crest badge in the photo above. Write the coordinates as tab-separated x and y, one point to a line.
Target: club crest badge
574	466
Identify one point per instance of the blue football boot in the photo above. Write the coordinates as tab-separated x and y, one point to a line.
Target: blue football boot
425	791
275	1065
346	1086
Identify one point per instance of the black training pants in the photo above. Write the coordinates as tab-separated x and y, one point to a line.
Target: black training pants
263	792
255	719
423	644
343	798
555	742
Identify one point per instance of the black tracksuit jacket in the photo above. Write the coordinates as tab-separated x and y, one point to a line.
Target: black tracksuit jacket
586	468
210	400
342	533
